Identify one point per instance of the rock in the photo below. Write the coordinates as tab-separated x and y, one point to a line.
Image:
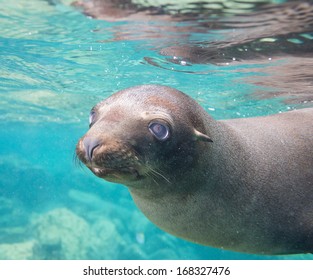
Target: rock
105	241
13	220
61	234
133	252
17	251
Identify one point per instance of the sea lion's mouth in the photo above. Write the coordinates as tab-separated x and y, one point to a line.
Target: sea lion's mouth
116	174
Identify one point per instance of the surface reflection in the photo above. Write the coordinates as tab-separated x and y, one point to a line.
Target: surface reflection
222	33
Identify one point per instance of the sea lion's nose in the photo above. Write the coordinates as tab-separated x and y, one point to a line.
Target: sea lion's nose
90	143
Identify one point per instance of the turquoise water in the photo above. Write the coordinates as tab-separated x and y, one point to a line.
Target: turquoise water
56	63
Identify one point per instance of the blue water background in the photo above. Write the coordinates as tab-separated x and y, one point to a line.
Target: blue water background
56	64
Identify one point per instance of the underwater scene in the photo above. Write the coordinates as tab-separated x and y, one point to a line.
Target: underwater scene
59	58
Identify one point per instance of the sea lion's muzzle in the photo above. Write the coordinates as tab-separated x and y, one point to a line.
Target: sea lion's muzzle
109	159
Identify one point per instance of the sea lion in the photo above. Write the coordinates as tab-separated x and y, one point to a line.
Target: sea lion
241	184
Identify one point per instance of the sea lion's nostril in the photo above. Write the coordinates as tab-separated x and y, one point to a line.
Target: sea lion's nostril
90	144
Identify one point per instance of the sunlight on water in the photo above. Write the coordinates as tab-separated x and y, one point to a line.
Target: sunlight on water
56	63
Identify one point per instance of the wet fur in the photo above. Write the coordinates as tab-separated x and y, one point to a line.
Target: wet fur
250	190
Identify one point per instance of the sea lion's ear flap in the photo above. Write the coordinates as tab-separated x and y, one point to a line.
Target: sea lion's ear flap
202	137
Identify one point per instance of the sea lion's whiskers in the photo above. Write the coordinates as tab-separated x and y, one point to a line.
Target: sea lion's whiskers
152	171
76	160
156	182
152	176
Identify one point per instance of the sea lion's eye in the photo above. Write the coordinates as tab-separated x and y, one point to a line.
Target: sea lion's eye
92	116
159	130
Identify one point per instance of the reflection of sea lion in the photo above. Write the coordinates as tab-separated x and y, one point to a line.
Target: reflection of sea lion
221	32
242	184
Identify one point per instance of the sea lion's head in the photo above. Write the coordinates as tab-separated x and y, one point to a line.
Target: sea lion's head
139	135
